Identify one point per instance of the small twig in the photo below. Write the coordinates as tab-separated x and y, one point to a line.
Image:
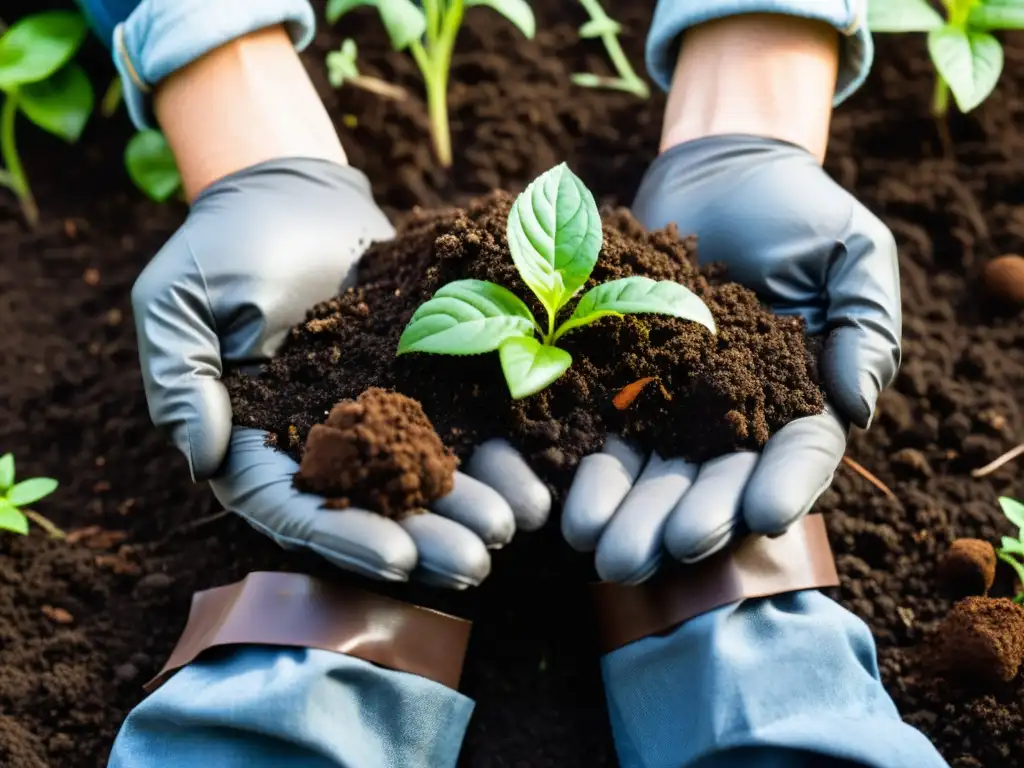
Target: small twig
870	478
191	526
379	87
46	525
1006	458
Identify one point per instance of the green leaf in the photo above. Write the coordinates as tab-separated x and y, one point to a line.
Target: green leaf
60	104
403	19
151	165
36	46
529	366
516	11
1013	510
903	16
997	14
1012	545
341	64
638	295
969	62
6	471
12	519
30	491
1011	561
466	317
598	27
554	234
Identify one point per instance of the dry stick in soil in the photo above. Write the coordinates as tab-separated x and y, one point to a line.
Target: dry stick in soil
870	478
995	464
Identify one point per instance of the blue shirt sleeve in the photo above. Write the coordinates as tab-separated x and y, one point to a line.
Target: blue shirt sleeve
849	17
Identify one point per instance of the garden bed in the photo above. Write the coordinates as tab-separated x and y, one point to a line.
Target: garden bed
83	624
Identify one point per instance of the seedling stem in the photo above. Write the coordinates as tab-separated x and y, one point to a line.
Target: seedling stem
13	177
603	26
434	60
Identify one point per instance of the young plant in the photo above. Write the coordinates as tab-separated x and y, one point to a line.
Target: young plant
342	68
151	165
967	58
603	26
14	497
1012	550
554	235
429	34
39	81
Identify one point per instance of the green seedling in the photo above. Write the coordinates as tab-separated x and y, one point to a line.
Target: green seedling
554	235
39	80
15	497
429	34
342	69
1012	550
603	26
151	165
967	57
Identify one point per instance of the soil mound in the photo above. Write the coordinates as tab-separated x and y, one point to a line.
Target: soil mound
981	641
968	568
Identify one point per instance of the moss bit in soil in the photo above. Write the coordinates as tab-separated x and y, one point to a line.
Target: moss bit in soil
728	392
968	567
981	641
379	452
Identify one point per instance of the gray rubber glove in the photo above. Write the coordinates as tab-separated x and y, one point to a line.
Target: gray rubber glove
257	250
786	230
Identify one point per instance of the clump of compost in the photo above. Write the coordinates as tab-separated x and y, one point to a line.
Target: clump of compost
981	641
716	393
968	567
379	452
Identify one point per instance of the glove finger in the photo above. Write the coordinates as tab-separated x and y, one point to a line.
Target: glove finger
181	362
450	555
256	483
601	482
479	508
708	515
630	548
796	466
497	464
862	350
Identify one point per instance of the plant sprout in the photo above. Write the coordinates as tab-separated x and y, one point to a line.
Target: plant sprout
605	27
554	235
342	69
1013	549
429	33
967	58
14	497
39	81
151	165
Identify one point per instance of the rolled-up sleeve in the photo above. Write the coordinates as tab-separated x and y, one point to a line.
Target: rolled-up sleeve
849	17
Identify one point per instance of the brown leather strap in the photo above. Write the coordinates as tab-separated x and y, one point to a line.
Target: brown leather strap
760	566
296	610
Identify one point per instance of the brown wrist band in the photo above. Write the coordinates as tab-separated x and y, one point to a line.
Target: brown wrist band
759	566
296	610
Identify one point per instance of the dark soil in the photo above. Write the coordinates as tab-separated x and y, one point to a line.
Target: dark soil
981	642
72	403
968	568
379	452
726	391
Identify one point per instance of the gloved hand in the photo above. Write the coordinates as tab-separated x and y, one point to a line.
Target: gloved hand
257	250
787	231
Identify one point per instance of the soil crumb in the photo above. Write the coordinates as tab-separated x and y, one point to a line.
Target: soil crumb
981	641
379	452
727	392
968	567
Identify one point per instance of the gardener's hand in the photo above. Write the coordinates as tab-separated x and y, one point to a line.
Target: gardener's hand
259	248
770	213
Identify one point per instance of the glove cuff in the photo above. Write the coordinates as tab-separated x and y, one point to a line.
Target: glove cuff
799	559
849	17
162	36
309	613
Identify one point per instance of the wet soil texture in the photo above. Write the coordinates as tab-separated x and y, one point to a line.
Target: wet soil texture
83	623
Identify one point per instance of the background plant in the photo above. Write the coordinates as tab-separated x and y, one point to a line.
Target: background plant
967	57
40	81
15	497
1012	550
429	34
343	68
151	165
554	236
604	27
